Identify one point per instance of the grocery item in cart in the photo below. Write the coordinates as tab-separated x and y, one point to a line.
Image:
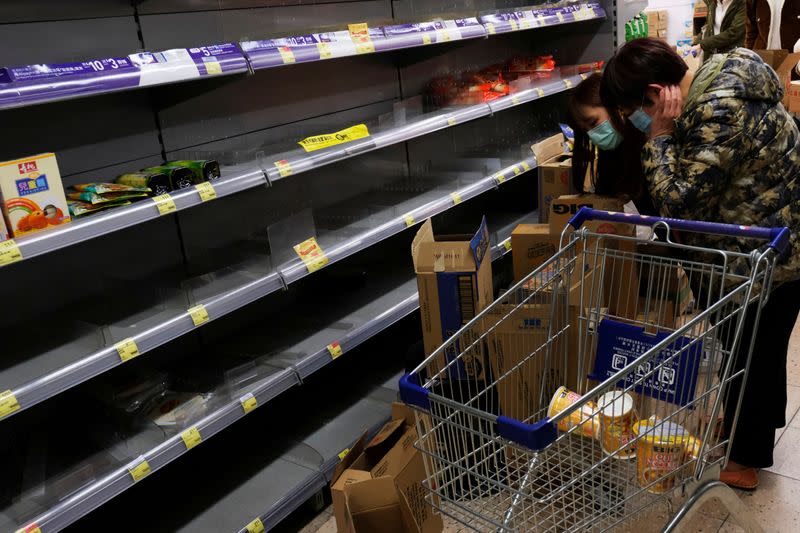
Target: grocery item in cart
617	418
660	451
585	418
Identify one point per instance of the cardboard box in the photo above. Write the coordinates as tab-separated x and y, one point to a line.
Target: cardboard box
565	207
785	75
548	148
371	487
794	97
773	58
532	245
32	195
555	180
454	277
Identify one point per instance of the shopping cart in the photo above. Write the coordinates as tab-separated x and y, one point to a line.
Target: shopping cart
592	393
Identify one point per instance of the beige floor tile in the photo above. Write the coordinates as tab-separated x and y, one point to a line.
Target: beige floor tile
326	526
787	455
793	366
792	408
731	527
776	503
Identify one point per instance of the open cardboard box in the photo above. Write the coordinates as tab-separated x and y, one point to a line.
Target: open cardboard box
377	486
784	71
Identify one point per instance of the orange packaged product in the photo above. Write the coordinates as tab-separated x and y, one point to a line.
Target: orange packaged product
585	418
32	194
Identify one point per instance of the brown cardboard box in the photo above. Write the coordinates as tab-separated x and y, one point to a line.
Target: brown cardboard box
565	207
532	245
794	97
548	148
454	277
773	58
402	465
785	75
555	180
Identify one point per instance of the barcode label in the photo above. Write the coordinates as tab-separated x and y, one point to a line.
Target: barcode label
465	296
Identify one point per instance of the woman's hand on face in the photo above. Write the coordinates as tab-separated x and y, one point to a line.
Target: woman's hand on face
668	107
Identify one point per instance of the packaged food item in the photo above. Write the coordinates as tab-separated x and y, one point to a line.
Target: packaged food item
585	418
660	452
203	170
95	198
157	182
32	194
109	188
179	177
617	417
79	209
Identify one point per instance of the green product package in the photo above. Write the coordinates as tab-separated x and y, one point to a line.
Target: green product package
203	170
80	209
629	31
645	23
158	182
95	199
179	177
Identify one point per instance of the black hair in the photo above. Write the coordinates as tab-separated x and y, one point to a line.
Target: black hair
635	66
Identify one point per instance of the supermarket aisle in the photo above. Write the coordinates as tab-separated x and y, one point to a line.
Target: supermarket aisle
776	503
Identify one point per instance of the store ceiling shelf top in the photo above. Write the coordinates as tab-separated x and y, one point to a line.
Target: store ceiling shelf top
270	168
37	84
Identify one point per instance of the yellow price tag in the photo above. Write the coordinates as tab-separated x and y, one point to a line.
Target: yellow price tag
343	453
525	24
590	12
139	469
456	198
540	91
568	83
256	526
515	100
286	54
584	76
525	165
199	314
426	39
284	168
500	178
213	68
517	171
335	350
312	254
409	220
165	204
8	403
248	402
451	121
191	437
443	36
490	28
324	50
127	349
31	528
507	244
541	20
514	26
365	48
206	191
326	140
560	16
9	252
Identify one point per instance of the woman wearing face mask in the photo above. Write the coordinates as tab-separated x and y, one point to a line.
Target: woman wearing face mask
606	149
721	147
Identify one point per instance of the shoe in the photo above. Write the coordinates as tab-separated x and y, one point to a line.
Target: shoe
746	479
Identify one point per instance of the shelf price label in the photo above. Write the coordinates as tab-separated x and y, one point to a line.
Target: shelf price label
409	220
284	168
8	403
514	26
206	191
213	68
9	252
324	50
286	54
590	12
335	349
525	24
139	468
541	20
256	526
456	198
127	349
443	36
500	177
490	28
525	165
540	92
199	314
311	254
359	33
191	437
343	453
426	39
318	142
568	83
507	244
451	121
30	528
517	171
515	100
248	402
165	204
560	16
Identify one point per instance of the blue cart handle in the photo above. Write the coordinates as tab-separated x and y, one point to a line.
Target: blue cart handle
778	237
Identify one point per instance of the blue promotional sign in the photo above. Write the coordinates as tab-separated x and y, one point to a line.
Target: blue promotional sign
620	344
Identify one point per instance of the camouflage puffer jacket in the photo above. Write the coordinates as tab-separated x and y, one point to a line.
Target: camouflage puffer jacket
734	157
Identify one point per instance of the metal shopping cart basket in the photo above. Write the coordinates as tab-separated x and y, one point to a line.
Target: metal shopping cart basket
594	390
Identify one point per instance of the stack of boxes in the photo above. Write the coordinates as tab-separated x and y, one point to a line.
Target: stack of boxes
657	23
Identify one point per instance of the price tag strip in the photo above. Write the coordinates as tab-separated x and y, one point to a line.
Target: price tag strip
165	204
199	314
191	437
409	220
359	33
206	191
286	54
525	165
9	252
335	349
248	402
127	349
318	142
8	403
312	254
139	469
256	526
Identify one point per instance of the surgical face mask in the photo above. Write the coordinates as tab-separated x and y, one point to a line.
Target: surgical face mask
604	136
641	120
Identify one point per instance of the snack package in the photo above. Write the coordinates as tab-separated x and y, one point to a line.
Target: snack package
179	177
79	209
203	170
158	182
32	194
94	198
569	135
108	188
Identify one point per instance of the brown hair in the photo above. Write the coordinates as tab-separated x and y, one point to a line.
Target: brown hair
615	172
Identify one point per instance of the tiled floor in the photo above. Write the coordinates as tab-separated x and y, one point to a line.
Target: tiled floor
775	505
